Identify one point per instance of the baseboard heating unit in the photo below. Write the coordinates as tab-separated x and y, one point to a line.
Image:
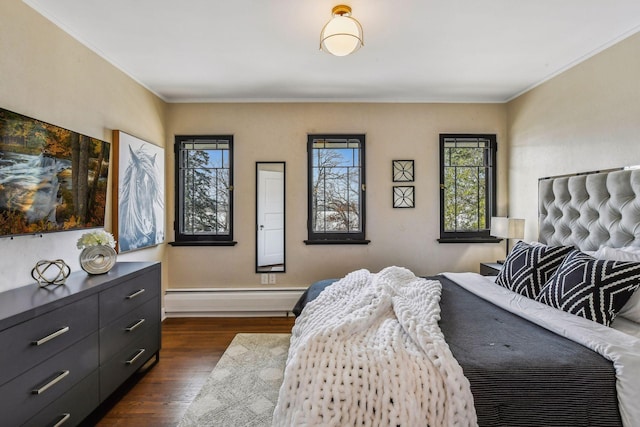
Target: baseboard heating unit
232	302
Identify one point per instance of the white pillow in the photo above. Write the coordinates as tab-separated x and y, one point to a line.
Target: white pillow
628	253
631	310
590	253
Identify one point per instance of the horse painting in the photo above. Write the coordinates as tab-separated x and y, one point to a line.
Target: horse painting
141	205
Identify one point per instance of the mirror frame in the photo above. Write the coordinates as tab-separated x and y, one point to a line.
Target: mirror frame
284	211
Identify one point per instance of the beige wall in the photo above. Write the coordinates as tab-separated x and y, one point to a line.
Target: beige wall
585	119
278	132
47	75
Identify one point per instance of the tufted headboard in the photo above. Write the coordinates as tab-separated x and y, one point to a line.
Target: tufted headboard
589	210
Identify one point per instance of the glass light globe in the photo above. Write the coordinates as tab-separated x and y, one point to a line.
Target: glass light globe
341	36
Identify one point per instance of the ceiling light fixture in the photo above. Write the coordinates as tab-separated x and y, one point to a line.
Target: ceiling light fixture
342	35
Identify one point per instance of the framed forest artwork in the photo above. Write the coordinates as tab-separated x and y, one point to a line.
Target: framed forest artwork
51	178
138	193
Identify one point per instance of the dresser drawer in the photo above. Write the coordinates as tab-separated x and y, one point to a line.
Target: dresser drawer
140	321
44	383
73	407
120	299
36	340
126	362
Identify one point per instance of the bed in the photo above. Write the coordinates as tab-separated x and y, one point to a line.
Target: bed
532	355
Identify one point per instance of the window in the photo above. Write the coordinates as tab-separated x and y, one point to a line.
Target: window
467	187
336	189
204	190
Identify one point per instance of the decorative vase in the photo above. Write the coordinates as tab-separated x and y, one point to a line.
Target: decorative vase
97	259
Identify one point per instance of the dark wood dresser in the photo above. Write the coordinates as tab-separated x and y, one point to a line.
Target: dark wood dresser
66	348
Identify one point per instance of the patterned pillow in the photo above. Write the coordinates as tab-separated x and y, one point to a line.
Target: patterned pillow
591	288
529	267
631	309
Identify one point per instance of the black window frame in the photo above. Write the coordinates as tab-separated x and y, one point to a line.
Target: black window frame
316	238
213	239
480	235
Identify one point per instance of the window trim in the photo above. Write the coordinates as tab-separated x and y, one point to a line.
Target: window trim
314	238
480	236
201	239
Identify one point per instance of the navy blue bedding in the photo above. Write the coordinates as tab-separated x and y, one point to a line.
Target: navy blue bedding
310	294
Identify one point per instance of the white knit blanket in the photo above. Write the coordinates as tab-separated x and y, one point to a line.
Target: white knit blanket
369	352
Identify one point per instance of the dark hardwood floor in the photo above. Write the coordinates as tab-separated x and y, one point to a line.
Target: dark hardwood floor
160	394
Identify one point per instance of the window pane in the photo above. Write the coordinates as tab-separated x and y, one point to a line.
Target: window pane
450	199
337	205
466	200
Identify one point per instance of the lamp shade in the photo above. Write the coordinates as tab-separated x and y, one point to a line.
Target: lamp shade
507	228
342	35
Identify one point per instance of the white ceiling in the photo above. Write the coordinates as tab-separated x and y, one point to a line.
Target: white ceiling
415	50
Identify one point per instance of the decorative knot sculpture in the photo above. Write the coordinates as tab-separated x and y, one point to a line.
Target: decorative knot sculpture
50	272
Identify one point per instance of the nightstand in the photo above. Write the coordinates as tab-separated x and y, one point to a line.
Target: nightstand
490	268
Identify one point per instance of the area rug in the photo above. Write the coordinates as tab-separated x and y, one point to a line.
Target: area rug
242	389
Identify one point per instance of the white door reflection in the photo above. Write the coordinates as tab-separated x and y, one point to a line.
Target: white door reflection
270	217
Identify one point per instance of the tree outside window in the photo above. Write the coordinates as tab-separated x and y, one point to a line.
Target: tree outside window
204	193
467	186
336	189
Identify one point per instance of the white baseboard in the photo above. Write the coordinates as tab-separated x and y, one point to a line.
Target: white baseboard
215	302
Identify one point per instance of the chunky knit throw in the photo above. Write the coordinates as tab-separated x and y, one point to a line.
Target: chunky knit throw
369	352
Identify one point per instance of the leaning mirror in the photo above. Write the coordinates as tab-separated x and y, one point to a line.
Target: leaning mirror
270	218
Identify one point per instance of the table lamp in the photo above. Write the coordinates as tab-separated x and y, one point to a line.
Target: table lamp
507	228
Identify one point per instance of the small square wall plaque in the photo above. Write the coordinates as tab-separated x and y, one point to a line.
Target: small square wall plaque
403	171
403	196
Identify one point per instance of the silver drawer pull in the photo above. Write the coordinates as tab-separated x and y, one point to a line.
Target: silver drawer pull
51	336
132	327
134	358
50	383
64	419
135	294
